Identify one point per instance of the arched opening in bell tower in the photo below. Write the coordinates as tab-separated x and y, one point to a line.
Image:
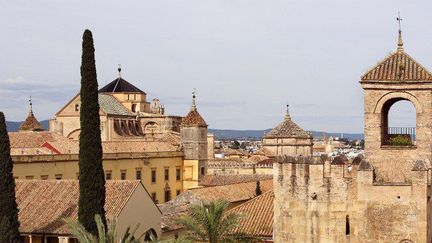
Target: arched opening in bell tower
398	123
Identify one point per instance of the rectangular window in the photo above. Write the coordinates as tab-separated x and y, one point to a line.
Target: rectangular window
44	177
138	174
178	174
166	174
58	176
29	177
108	175
178	192
123	175
202	170
153	175
153	195
167	195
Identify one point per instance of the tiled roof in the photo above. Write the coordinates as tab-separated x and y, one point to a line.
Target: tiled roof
193	119
219	180
30	124
287	129
31	143
232	193
257	217
119	85
138	146
43	204
172	138
111	106
398	66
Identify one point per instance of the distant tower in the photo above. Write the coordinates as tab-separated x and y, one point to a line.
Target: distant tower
288	139
193	132
393	150
30	123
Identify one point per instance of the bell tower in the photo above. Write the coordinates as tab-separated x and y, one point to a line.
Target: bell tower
393	150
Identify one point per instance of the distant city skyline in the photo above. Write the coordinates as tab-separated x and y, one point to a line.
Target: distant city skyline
246	58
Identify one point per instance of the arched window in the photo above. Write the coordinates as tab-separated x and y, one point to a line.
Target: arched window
398	123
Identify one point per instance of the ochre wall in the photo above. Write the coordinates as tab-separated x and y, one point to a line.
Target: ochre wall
67	166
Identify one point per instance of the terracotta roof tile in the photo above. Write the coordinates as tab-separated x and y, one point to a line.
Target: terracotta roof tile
398	66
43	204
30	124
257	214
193	118
287	129
219	180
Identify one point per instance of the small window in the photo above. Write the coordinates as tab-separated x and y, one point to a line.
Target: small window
202	170
108	175
138	174
123	175
178	174
178	192
44	177
29	177
167	195
58	176
153	176
153	195
347	226
76	107
166	174
134	107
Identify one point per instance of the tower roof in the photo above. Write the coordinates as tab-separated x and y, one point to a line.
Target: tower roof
193	118
119	85
287	129
398	66
30	123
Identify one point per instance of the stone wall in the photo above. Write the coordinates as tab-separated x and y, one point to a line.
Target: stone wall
317	201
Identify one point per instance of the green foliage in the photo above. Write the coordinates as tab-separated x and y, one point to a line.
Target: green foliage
400	140
258	189
103	236
209	222
235	145
91	174
9	225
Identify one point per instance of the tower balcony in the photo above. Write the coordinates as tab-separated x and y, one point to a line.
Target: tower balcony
400	137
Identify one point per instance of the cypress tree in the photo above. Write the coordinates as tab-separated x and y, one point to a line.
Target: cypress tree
9	225
91	174
258	189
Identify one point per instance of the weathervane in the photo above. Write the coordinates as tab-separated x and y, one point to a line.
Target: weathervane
400	42
119	70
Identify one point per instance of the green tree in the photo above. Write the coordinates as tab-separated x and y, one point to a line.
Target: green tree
209	222
104	235
91	174
258	188
9	225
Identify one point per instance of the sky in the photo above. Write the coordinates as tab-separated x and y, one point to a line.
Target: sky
246	58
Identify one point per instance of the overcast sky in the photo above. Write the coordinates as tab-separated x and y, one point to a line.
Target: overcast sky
246	58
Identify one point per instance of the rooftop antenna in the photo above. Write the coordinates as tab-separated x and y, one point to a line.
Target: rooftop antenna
118	79
400	42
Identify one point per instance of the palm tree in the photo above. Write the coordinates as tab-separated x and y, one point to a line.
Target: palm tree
83	236
209	222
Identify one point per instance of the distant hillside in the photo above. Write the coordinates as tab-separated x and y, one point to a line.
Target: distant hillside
13	126
258	134
223	133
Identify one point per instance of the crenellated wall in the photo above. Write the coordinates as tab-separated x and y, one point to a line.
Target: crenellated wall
323	200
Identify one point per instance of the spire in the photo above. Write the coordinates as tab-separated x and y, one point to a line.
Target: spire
287	114
193	100
31	104
400	41
119	70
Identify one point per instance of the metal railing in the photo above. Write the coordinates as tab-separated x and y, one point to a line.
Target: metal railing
400	136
